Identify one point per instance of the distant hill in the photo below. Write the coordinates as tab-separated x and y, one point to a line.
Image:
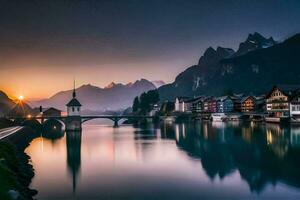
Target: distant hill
158	83
6	104
11	108
115	96
22	109
256	66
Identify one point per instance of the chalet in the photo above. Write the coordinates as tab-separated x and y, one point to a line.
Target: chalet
295	107
197	105
247	104
210	105
52	112
277	103
224	104
236	99
183	104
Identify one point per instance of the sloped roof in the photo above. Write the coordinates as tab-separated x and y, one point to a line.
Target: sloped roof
181	98
52	109
73	102
287	90
222	98
247	97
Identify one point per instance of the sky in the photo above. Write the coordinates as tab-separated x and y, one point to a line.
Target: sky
44	44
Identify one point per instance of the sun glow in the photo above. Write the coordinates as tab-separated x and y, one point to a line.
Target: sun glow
21	97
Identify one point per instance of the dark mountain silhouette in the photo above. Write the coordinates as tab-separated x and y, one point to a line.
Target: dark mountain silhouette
253	42
258	64
115	96
22	109
196	77
6	104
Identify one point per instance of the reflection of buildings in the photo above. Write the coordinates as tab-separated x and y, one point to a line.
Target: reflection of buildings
74	154
295	136
277	139
261	154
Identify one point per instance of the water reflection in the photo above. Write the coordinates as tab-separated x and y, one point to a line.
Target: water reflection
184	159
53	129
262	154
73	143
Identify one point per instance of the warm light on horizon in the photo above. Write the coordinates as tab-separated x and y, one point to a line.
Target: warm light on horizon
21	98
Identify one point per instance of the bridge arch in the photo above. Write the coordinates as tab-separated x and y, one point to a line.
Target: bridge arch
114	119
33	123
53	128
54	123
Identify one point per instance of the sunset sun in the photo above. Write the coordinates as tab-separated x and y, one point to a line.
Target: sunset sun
20	98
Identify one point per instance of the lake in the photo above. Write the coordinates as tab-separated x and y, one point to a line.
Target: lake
194	160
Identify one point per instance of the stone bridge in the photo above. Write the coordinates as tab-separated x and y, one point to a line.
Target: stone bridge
75	122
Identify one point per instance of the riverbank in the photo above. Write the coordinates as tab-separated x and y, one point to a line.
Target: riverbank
16	171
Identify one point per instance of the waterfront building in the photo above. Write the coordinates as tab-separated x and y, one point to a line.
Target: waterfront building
52	112
183	104
74	106
210	105
197	105
224	104
247	104
277	103
236	99
295	107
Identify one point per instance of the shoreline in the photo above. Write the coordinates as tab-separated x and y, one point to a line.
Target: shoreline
16	172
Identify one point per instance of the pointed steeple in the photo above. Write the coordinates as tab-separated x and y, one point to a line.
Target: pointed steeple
74	92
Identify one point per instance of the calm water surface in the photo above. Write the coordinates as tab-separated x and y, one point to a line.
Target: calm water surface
169	161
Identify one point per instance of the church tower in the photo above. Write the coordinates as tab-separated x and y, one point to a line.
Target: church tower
74	106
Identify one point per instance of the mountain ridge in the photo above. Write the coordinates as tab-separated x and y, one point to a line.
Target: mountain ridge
220	70
114	96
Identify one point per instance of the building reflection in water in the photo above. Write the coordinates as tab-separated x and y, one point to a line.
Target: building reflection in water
262	154
295	136
73	143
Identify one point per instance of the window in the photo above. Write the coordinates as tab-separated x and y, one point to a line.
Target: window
78	109
72	109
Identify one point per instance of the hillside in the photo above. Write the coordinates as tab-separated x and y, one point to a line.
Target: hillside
115	96
6	104
252	70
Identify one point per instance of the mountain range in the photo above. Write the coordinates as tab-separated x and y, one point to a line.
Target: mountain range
115	96
6	104
257	65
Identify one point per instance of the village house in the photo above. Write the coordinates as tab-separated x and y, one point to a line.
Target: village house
295	107
197	105
52	112
210	105
236	99
224	104
247	104
277	103
183	104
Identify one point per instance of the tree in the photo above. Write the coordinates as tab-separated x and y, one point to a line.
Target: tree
153	96
136	104
145	102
